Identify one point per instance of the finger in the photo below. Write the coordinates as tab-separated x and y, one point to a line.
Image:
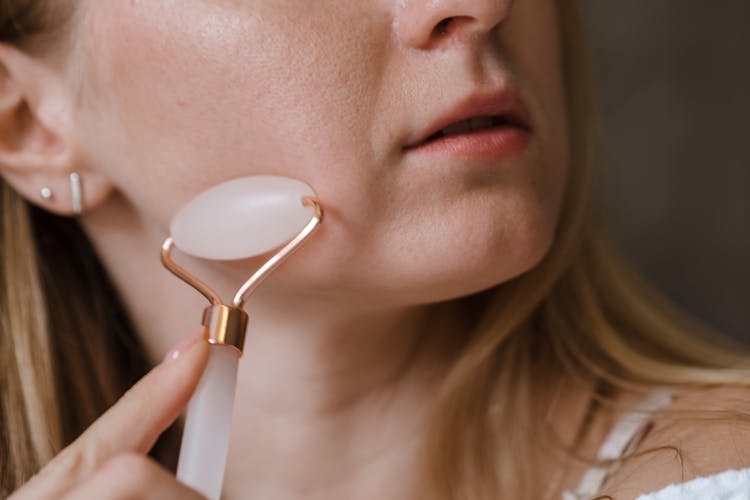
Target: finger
132	425
132	476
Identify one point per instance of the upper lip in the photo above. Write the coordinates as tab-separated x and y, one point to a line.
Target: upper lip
505	104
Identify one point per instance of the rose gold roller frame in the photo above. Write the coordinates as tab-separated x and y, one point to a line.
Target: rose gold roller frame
225	324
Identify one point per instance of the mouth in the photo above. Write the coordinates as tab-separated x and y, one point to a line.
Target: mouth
477	116
475	125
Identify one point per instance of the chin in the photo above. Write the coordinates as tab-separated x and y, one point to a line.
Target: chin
468	267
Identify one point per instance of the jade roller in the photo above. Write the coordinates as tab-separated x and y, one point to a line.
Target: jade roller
237	219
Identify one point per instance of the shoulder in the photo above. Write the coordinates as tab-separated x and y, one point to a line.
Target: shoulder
702	433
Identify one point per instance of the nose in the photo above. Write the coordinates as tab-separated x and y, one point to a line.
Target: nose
426	23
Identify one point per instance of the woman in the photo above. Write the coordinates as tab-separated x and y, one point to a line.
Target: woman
457	329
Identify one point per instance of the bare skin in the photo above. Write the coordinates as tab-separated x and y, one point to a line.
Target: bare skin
156	102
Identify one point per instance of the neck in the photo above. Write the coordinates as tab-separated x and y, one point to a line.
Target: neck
327	409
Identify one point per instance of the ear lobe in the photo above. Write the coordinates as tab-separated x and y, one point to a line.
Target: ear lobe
35	130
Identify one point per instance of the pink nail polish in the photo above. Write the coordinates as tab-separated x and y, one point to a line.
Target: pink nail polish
185	343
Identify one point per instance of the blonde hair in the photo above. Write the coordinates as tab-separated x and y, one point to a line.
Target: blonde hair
579	311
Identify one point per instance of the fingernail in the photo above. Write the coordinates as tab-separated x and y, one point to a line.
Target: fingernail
185	343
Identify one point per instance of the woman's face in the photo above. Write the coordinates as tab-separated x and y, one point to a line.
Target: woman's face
179	95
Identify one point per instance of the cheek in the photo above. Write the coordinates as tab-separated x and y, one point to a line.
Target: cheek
213	94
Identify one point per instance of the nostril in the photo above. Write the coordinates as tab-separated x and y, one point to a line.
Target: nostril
444	26
450	25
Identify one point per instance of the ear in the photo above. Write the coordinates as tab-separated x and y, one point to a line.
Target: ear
37	149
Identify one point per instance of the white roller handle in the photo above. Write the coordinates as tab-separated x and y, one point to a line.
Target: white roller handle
205	440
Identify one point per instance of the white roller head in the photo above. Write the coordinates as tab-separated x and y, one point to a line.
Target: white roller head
242	218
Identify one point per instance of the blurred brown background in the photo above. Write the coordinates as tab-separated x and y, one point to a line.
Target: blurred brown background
674	78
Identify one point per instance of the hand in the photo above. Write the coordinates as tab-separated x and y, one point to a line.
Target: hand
108	461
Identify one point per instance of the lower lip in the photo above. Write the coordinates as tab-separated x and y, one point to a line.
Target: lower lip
491	143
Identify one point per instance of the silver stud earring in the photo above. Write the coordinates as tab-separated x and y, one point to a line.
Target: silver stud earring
76	193
46	193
